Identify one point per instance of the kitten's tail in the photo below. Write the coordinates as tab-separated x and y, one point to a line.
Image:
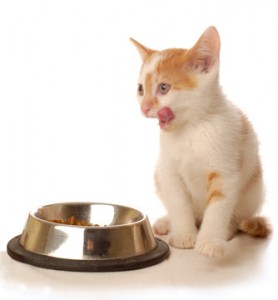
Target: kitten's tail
257	227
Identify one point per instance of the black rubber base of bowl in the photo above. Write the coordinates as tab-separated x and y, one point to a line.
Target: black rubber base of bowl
17	252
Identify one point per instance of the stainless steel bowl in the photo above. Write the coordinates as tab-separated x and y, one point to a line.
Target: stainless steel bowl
111	237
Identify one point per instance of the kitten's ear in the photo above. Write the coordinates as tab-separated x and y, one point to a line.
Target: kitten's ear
206	51
144	52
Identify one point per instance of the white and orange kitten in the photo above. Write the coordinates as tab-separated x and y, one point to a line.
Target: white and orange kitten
208	174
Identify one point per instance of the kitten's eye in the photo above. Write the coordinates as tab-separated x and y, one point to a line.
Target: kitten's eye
140	89
164	88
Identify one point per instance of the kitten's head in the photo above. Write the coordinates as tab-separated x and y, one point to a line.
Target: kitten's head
175	85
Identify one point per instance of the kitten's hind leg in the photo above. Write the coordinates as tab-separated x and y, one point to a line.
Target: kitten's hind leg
162	226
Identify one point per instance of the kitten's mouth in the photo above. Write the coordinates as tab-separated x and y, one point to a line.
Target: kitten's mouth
165	116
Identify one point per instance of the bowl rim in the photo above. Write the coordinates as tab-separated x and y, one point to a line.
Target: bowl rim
33	213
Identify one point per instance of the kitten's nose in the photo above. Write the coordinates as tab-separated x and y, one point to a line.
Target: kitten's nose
145	110
147	105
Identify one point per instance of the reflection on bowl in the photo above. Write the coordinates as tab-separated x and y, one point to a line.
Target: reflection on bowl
98	233
121	232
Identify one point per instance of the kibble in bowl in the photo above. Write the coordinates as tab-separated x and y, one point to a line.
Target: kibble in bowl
88	236
74	221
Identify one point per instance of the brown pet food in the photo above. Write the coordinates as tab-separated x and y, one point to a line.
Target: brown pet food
73	221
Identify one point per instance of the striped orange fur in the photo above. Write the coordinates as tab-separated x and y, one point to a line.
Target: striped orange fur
172	68
214	190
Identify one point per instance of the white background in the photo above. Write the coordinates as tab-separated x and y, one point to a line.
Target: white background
71	130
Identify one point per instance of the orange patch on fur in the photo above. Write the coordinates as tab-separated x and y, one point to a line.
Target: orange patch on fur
214	195
148	84
149	101
257	227
173	69
214	191
212	176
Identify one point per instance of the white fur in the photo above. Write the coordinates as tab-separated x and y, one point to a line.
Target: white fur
209	139
206	135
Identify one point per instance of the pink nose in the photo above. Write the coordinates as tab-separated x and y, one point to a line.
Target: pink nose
145	110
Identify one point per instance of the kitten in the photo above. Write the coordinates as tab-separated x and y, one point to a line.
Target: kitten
208	174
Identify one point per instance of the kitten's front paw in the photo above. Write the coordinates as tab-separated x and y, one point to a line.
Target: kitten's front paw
162	226
185	240
211	247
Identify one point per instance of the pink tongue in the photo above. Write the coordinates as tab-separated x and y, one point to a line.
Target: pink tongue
165	114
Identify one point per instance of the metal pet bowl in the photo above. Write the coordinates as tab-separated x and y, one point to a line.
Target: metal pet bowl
88	237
